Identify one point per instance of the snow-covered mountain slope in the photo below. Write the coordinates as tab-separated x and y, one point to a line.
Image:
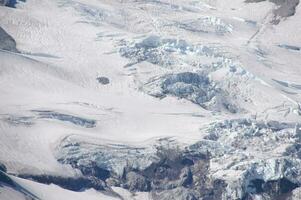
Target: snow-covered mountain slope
160	99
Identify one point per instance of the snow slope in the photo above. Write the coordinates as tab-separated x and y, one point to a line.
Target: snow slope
191	77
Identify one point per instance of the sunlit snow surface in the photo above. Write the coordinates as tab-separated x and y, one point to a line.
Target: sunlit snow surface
150	99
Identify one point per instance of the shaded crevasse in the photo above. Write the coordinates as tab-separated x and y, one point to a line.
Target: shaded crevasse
46	114
30	120
290	47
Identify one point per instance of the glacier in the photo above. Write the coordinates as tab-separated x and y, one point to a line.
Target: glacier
150	99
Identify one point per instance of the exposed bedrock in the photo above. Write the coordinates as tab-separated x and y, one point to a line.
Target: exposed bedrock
4	179
3	167
70	183
136	182
285	8
103	80
10	3
7	42
3	2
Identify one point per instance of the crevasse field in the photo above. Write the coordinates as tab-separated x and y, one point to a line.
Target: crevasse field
150	100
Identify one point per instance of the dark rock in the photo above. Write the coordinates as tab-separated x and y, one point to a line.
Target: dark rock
180	193
218	188
281	186
7	42
187	161
298	131
271	189
95	171
103	80
169	167
113	182
3	168
186	177
96	183
70	183
286	8
257	185
5	179
293	150
4	2
10	3
137	182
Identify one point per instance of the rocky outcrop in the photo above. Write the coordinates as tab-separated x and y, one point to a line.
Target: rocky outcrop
7	42
4	179
3	167
180	193
70	183
136	182
103	80
4	2
285	8
10	3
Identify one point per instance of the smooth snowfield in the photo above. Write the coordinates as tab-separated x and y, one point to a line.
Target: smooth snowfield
98	77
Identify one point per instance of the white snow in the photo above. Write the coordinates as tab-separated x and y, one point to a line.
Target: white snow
66	44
